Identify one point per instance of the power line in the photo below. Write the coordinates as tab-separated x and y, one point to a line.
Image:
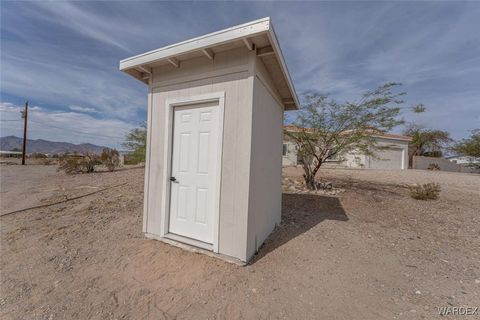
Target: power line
8	120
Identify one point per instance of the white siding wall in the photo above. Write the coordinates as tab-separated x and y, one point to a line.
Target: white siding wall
398	152
290	158
266	161
355	159
231	72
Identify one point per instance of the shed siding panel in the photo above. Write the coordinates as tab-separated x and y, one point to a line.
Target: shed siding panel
266	167
147	161
201	68
236	166
236	145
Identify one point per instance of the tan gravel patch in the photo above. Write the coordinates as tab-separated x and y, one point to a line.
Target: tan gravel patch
370	252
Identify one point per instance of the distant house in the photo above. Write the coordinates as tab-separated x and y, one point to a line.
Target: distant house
464	160
393	158
10	154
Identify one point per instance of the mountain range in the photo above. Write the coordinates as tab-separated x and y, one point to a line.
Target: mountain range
11	143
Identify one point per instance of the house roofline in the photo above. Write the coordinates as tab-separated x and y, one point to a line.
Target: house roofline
389	136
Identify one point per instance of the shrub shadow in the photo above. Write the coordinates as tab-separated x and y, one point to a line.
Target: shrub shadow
300	213
365	186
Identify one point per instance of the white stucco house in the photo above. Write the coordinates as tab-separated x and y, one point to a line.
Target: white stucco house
393	158
214	139
464	160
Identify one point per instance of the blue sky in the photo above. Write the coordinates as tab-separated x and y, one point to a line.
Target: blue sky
63	57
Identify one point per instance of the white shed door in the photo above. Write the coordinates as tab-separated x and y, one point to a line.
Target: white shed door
194	171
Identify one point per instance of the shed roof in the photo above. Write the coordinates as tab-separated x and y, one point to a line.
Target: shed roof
256	35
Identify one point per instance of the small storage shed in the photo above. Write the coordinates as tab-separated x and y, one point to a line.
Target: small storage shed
214	142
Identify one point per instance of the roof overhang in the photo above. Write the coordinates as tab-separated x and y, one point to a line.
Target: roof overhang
256	35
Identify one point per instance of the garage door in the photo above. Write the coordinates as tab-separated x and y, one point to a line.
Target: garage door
390	159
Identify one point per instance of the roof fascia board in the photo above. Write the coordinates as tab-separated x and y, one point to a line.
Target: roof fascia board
393	138
276	47
249	29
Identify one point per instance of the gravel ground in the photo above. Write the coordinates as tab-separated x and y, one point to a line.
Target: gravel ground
368	252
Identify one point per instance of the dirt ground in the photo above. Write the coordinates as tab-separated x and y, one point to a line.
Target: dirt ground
370	252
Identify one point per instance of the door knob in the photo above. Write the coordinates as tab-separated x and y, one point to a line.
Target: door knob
173	179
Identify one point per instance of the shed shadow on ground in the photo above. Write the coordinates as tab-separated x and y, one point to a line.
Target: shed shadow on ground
300	213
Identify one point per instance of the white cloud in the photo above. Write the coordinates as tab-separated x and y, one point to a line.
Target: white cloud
82	109
66	53
433	49
103	89
63	126
85	22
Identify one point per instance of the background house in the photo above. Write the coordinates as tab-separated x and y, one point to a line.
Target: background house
395	157
464	160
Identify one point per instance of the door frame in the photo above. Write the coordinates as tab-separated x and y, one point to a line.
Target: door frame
170	104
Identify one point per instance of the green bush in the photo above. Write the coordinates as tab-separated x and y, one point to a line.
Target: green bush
135	143
427	191
110	158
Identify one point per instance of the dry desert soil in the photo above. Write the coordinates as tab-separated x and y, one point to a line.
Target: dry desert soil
368	251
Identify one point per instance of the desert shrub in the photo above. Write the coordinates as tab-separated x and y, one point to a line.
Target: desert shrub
72	164
129	160
48	161
38	155
110	158
90	161
135	143
427	191
433	167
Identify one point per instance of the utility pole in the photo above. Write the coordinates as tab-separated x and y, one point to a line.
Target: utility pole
24	148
